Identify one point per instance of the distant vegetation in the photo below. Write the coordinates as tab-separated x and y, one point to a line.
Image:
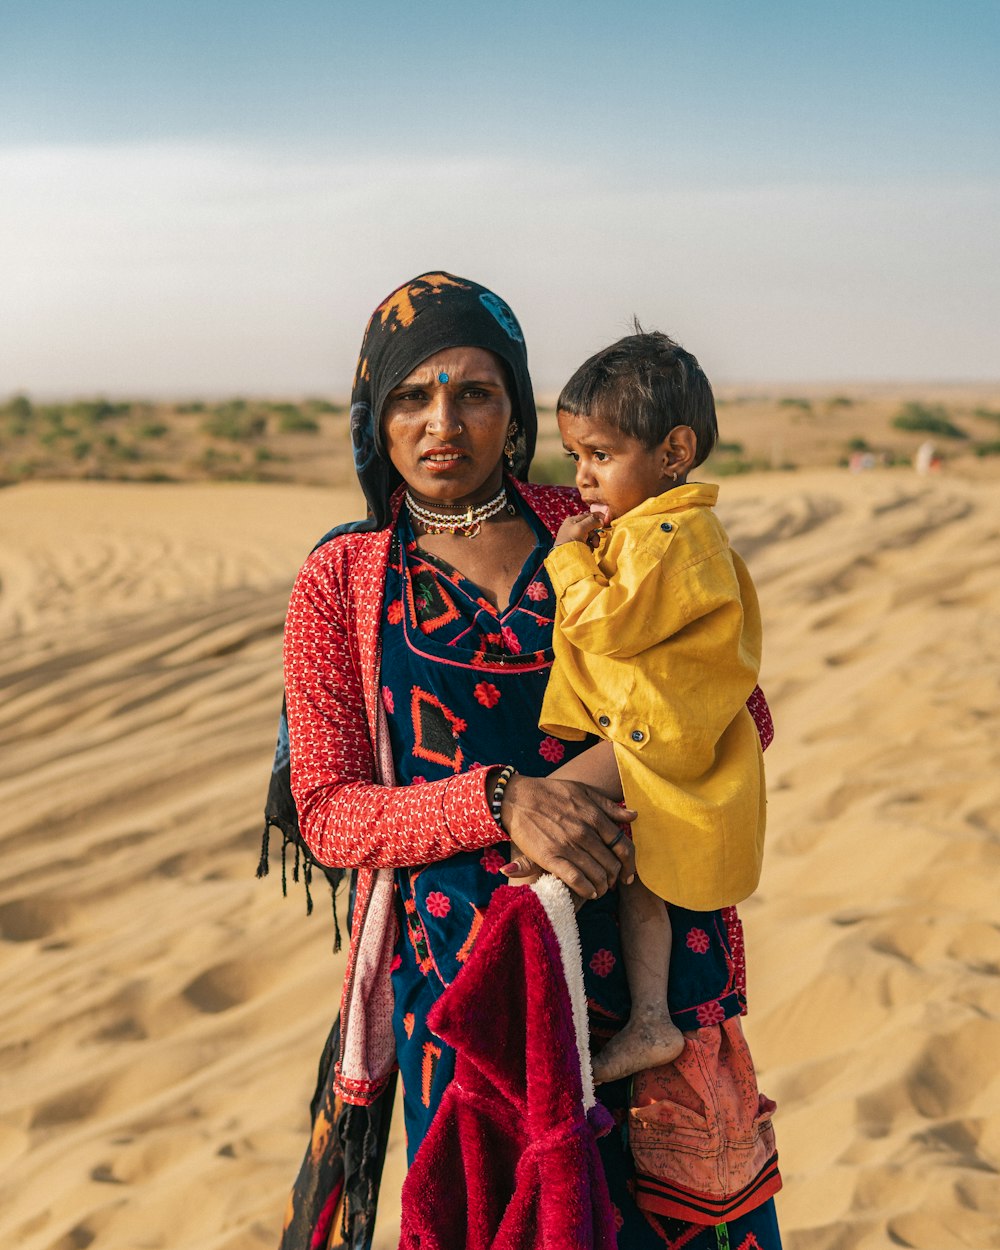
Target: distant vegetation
927	419
137	441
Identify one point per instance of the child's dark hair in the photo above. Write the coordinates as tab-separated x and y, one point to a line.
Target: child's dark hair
645	385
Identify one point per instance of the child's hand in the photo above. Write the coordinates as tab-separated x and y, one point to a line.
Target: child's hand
520	866
578	529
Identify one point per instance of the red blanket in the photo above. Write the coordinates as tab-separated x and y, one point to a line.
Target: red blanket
510	1161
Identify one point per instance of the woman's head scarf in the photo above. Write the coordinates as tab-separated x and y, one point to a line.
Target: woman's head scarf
421	317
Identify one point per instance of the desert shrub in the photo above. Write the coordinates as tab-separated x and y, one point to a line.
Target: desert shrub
152	429
840	401
988	449
235	422
292	420
19	407
94	411
320	405
987	414
195	406
927	419
858	444
81	449
264	455
727	449
793	401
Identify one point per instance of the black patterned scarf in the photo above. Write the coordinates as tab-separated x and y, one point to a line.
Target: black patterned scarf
335	1194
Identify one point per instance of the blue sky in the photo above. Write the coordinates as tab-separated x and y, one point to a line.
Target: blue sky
210	197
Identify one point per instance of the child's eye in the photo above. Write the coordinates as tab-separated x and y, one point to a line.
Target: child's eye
571	455
601	456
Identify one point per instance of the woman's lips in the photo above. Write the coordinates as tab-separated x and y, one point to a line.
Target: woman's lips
441	460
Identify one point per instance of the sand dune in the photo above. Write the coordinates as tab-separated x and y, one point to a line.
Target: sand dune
163	1012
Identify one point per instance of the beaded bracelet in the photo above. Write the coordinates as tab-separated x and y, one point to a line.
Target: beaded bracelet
497	800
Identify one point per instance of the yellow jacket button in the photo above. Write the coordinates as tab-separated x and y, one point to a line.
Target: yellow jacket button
666	527
637	735
604	721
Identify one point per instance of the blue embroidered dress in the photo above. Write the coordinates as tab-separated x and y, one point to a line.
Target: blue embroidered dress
463	685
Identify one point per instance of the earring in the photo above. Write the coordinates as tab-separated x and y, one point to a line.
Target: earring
673	477
510	447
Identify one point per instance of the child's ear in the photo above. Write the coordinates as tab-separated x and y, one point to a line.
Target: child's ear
680	450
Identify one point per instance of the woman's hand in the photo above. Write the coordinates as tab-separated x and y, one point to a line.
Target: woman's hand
568	828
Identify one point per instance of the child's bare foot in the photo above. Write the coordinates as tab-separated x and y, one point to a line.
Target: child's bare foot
649	1039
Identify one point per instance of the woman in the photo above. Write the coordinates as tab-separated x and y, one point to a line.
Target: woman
416	655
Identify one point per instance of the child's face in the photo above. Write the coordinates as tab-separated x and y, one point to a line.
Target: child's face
613	468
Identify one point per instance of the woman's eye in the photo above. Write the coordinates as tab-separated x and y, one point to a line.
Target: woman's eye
475	392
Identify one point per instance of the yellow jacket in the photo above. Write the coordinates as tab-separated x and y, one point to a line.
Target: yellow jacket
657	648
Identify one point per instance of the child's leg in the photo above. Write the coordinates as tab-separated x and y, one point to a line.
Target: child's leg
650	1037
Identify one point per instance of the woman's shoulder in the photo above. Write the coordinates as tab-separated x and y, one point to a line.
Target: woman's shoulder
551	504
347	551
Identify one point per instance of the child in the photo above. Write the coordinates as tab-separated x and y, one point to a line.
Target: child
657	647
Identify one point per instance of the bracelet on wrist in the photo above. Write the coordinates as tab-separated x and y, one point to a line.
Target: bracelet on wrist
496	800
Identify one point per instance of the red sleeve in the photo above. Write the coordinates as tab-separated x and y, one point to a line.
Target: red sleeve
347	819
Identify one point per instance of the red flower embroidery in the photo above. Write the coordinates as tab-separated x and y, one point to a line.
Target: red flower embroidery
395	611
418	780
537	591
510	640
551	749
408	1022
397	963
487	694
438	904
616	1214
697	941
492	860
387	699
710	1013
601	962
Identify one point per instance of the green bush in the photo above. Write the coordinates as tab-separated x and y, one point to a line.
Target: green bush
987	414
792	401
233	421
927	419
152	429
292	420
94	411
840	401
858	444
19	407
988	449
727	449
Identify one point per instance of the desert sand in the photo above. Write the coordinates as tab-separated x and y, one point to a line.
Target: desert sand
163	1011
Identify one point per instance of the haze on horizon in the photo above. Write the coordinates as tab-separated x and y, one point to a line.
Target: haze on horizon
210	198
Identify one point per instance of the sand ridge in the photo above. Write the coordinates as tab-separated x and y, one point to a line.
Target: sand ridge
164	1012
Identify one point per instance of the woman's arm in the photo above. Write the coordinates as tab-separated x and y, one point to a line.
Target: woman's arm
346	818
349	820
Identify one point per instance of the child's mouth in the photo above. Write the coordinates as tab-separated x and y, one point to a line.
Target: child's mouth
601	510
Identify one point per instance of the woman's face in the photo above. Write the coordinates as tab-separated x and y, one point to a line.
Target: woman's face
445	424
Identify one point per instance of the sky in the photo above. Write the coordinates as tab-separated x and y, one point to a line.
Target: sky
205	197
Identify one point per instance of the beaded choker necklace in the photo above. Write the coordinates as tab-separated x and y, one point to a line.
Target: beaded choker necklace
467	524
